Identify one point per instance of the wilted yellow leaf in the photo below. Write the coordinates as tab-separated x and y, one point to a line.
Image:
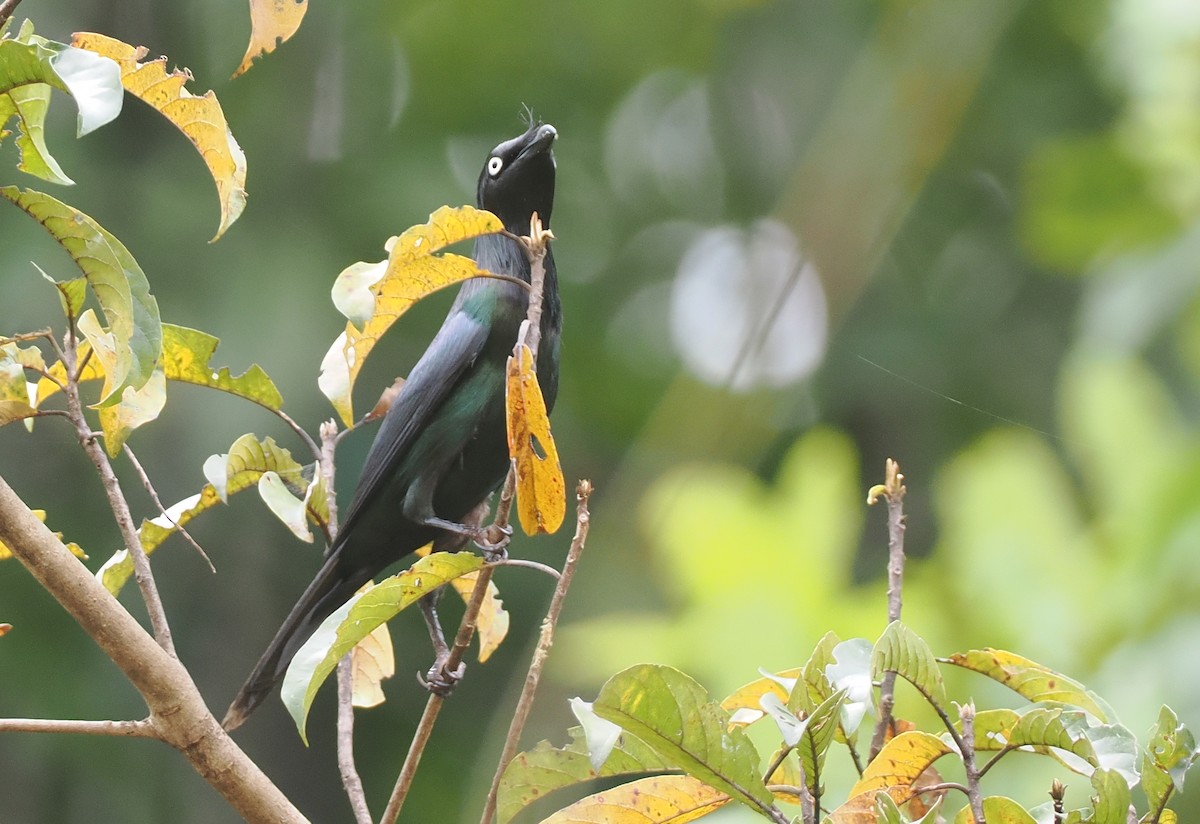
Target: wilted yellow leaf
371	661
374	297
272	22
665	799
541	490
5	629
199	118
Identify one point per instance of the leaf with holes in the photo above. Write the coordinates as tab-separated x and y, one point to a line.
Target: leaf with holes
199	118
541	490
675	716
1169	754
374	296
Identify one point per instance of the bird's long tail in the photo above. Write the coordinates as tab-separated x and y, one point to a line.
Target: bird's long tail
331	588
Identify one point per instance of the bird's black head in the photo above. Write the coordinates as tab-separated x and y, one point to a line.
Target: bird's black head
518	179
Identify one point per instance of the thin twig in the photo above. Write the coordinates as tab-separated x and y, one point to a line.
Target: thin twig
893	491
967	713
934	788
540	567
6	10
149	487
854	756
345	742
299	430
119	505
583	493
127	729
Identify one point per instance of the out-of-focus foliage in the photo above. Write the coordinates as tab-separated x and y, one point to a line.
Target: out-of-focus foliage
960	234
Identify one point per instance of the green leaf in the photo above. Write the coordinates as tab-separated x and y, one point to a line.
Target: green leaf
186	354
813	686
675	716
116	280
818	735
1059	730
1169	754
71	294
997	810
1112	798
902	651
356	619
534	774
1030	679
29	67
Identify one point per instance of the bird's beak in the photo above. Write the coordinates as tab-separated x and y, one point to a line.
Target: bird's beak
541	140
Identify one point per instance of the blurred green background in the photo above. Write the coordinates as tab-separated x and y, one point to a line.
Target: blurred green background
795	238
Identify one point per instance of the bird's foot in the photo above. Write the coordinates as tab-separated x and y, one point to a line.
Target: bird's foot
493	542
440	680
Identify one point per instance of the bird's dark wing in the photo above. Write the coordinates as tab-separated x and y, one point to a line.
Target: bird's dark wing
453	350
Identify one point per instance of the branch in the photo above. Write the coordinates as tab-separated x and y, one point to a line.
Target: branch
123	729
967	713
583	493
177	711
6	10
893	490
345	742
119	505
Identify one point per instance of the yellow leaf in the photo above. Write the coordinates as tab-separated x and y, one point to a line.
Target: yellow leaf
492	624
199	118
371	661
748	696
541	490
272	22
6	553
374	301
5	629
899	764
666	799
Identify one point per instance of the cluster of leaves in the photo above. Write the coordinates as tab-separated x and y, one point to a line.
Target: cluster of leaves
682	755
133	355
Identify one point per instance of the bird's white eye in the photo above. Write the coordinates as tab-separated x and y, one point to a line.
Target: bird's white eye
495	164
